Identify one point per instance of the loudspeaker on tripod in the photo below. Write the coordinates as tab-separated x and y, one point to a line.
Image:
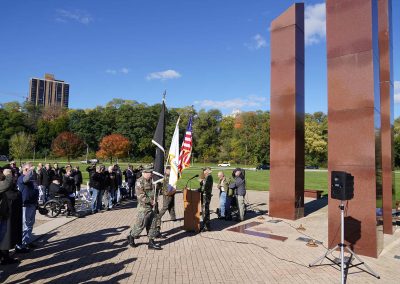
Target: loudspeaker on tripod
342	185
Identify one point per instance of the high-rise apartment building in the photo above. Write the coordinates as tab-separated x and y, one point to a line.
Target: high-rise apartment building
48	91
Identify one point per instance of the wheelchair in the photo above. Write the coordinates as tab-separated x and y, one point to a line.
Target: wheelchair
55	206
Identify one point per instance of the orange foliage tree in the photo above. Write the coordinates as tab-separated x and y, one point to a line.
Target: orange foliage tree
113	146
67	144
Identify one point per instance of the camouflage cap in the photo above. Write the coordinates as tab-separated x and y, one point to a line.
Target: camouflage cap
148	168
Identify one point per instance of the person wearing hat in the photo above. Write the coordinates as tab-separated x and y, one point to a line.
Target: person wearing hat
239	186
145	217
206	192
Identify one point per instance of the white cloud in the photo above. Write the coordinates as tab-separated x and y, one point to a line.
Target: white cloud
234	104
123	70
315	23
397	92
257	42
163	75
111	71
75	15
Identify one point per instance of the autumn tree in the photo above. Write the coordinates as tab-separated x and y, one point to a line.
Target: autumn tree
67	144
316	139
113	146
21	145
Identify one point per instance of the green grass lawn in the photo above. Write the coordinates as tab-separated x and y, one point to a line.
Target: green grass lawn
259	180
255	180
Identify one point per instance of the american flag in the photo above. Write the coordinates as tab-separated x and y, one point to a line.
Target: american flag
186	149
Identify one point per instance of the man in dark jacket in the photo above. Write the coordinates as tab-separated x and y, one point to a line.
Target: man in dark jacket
78	180
68	186
10	223
46	177
130	179
118	178
110	184
30	194
239	185
58	172
15	171
96	184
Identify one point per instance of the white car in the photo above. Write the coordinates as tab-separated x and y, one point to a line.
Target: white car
224	165
91	161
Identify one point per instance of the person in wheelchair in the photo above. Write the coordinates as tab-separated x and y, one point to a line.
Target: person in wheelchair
58	193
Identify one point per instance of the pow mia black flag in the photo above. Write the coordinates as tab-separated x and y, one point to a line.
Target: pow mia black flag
159	141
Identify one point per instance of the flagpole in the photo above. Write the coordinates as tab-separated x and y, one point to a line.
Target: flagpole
159	141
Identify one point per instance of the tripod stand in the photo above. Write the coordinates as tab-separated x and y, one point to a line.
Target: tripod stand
343	247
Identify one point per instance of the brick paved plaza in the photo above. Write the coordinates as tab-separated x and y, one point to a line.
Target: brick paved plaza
94	249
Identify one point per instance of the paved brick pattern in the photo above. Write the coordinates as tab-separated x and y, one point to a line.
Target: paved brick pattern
94	250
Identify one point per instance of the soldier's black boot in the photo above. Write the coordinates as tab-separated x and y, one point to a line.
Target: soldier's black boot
160	236
153	245
131	241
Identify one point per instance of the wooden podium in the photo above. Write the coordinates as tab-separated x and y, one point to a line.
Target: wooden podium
192	207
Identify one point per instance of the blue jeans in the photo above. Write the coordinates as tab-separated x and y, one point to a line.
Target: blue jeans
96	199
107	198
28	219
222	201
118	195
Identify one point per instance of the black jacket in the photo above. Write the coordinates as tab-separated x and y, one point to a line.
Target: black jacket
58	174
13	230
118	177
45	177
130	177
68	184
78	177
110	180
97	181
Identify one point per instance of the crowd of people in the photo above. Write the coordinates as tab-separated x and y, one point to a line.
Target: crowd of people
106	185
23	189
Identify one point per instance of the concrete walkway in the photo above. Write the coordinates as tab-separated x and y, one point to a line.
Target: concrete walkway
94	250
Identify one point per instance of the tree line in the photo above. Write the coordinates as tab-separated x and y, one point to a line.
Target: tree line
125	128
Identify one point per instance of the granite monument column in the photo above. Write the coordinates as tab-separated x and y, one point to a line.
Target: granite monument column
354	120
286	196
387	102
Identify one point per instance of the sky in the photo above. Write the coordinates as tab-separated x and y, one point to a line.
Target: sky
210	54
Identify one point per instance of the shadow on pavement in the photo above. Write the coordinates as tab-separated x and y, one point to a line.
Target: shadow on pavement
125	204
76	259
315	205
177	233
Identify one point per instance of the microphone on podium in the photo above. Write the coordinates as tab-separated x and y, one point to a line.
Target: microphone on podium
191	179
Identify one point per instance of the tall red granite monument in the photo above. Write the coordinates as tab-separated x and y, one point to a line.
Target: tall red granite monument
387	102
286	196
354	120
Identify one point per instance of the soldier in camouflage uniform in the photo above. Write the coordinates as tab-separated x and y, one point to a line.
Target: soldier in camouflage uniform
168	202
145	217
206	192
